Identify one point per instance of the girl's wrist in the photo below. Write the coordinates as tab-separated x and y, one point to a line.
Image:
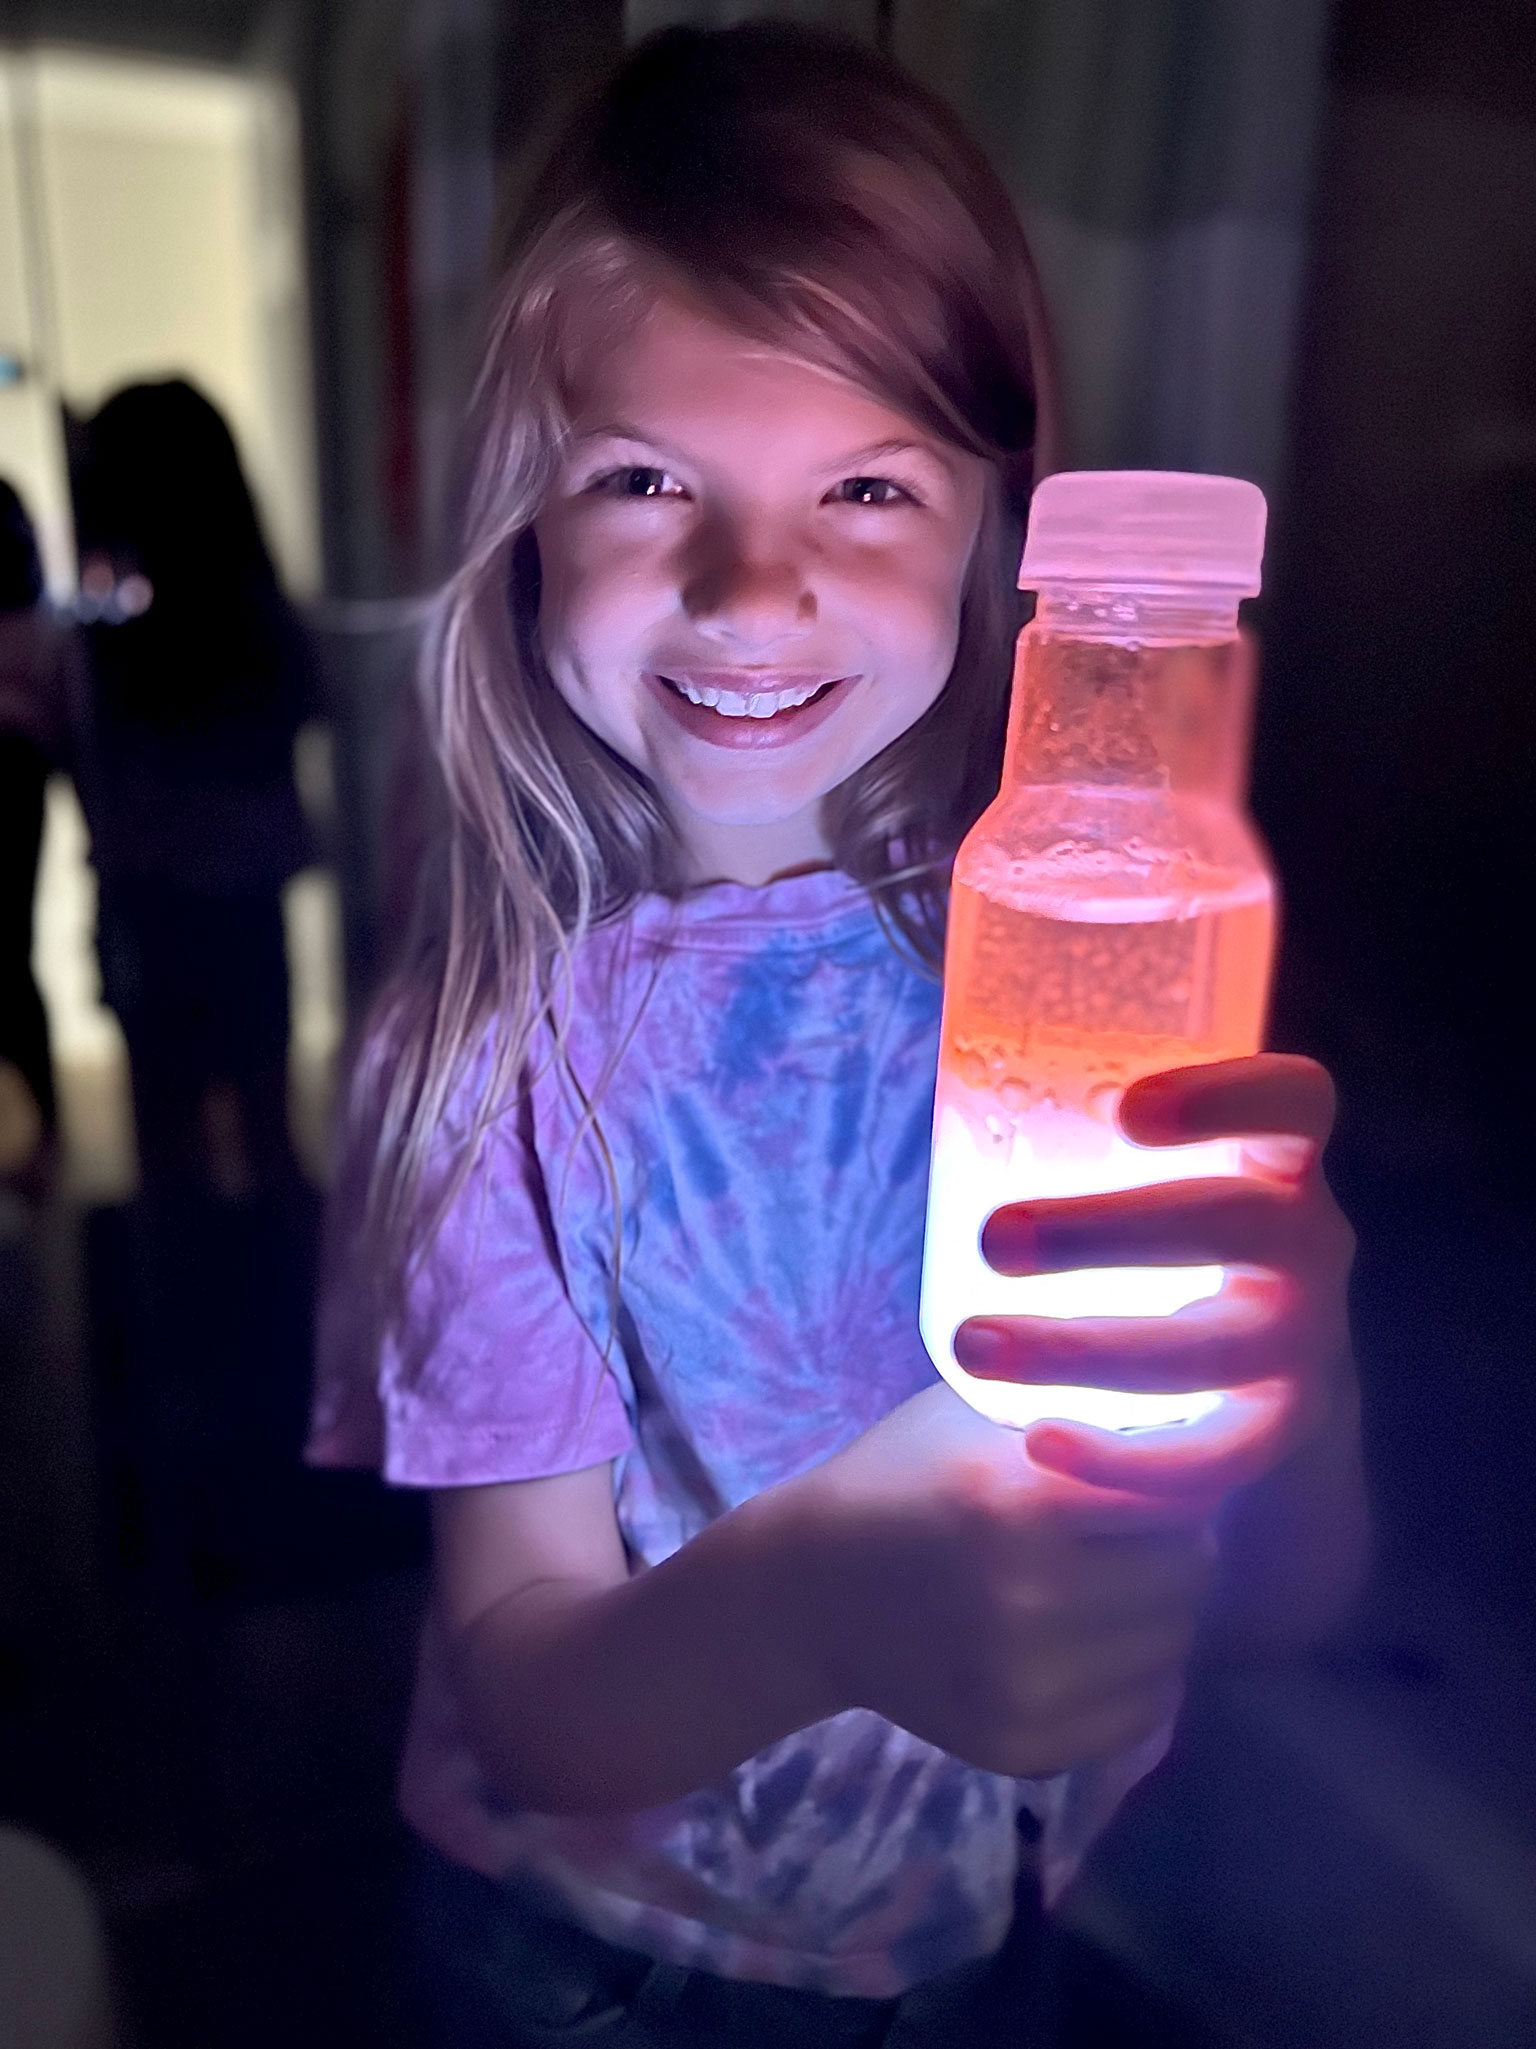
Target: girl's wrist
790	1580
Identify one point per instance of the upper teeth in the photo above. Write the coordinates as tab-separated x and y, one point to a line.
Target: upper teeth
737	704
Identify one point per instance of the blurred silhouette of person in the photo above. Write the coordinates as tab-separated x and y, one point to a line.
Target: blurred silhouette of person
200	675
33	732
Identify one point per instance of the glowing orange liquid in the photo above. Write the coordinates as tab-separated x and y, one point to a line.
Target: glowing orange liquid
1050	1002
1095	937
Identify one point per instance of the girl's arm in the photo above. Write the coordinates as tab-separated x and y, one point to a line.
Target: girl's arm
1025	1614
588	1689
928	1572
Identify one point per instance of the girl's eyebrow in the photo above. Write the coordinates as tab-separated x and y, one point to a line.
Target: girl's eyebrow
898	446
621	430
624	430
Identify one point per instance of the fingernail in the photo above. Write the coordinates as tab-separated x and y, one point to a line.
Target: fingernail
978	1347
1154	1105
1010	1241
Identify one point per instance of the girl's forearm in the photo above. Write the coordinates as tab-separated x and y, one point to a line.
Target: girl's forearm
1295	1549
584	1700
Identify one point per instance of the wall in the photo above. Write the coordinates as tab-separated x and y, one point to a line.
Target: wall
1161	155
159	203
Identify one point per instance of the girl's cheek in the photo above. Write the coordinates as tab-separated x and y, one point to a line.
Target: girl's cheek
924	578
597	586
916	618
627	572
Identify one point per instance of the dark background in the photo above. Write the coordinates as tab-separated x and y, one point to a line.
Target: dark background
1341	1854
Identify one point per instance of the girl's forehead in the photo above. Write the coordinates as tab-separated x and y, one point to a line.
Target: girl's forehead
669	330
678	359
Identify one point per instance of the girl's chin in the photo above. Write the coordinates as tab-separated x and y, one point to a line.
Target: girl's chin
763	836
791	813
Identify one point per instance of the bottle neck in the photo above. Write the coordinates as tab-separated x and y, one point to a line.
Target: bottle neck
1137	689
1169	618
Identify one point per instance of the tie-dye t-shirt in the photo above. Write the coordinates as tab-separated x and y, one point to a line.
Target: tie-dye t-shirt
714	1285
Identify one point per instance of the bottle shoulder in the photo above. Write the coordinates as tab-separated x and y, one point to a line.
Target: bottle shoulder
1127	842
1032	817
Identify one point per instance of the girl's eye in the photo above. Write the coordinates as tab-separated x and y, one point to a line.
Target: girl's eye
870	491
637	480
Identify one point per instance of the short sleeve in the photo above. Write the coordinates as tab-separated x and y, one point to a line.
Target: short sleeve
487	1373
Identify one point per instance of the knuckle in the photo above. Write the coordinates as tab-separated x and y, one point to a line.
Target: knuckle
1255	1202
1324	1228
973	1502
1169	1652
1030	1600
1139	1721
1251	1222
1048	1689
1327	1097
1187	1595
1342	1239
1021	1692
993	1722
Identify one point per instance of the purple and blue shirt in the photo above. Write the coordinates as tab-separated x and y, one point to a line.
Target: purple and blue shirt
691	1245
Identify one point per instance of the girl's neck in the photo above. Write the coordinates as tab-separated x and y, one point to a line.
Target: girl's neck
753	854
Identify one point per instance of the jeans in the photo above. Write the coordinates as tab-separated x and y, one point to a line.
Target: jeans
492	1969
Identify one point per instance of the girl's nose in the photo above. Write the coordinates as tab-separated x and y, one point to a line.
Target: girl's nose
747	597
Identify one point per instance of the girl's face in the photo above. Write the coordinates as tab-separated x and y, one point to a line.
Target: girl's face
752	574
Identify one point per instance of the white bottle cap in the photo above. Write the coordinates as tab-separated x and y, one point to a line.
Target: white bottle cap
1157	530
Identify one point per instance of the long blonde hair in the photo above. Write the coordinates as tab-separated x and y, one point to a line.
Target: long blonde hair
807	193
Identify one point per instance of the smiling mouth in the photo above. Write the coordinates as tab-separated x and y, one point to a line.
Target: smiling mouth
752	704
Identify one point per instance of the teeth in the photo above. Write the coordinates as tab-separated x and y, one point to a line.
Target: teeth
736	704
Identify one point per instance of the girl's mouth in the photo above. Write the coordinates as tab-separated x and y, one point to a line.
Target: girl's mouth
765	701
736	708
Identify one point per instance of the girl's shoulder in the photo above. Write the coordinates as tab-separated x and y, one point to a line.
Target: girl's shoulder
660	965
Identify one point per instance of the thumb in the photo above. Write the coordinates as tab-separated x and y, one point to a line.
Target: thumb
1238	1442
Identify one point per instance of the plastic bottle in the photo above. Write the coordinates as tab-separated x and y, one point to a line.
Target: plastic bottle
1112	912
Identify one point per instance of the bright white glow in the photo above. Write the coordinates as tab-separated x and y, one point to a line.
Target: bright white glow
978	1166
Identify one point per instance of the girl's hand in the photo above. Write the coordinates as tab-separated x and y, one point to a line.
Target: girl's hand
1021	1622
1277	1331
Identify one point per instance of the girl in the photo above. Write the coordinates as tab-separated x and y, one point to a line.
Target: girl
750	1643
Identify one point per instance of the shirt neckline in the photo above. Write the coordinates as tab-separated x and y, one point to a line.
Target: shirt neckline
807	906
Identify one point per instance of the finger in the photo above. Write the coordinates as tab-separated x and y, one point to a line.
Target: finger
1192	1464
1269	1095
1238	1336
1250	1433
1232	1221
